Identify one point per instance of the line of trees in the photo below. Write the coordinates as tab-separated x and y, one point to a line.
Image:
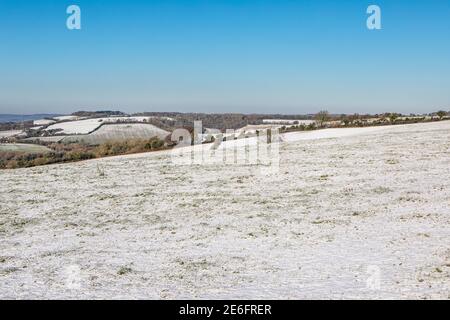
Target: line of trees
77	152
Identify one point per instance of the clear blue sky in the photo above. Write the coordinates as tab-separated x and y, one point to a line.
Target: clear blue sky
224	56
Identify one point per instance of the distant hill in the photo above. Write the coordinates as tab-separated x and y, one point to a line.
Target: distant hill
98	114
220	121
4	118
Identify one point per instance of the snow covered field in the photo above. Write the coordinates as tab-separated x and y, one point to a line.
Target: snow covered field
119	132
287	122
88	125
67	118
43	122
356	213
23	147
9	133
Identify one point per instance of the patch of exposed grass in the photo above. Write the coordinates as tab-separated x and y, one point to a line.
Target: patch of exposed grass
392	161
381	190
124	270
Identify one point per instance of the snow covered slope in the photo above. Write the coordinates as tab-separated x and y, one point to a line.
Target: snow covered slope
355	216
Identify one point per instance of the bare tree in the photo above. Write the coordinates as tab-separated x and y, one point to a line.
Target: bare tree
441	114
393	116
321	117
